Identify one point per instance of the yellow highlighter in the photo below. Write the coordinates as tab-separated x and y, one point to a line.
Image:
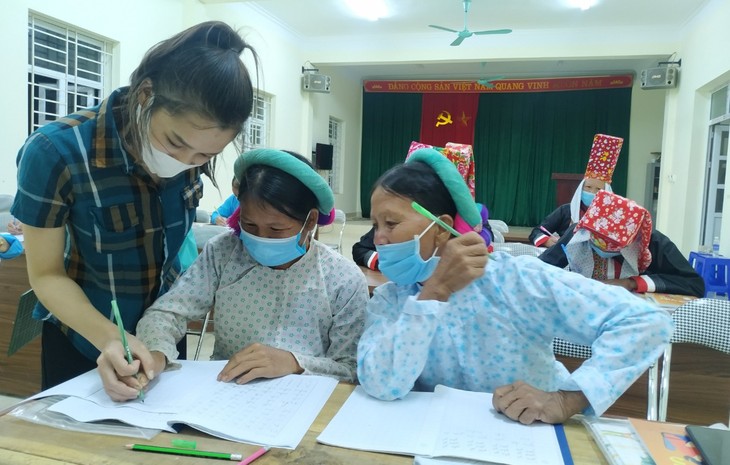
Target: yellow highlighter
123	334
432	217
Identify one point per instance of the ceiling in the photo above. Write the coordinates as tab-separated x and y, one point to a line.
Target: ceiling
325	25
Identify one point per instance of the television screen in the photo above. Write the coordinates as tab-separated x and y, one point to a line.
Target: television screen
323	156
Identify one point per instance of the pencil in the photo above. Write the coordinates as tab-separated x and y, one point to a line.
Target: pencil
190	452
543	229
253	456
125	344
432	217
567	257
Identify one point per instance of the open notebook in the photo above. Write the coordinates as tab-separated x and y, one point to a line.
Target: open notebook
445	423
274	412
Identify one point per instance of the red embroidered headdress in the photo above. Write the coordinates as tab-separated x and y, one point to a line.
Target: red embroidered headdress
616	222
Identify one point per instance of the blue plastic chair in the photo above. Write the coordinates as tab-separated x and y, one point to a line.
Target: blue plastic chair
715	272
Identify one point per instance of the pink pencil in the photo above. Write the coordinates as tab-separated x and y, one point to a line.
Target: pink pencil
254	456
542	228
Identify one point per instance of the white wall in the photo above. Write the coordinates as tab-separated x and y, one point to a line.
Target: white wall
647	119
705	55
153	21
343	103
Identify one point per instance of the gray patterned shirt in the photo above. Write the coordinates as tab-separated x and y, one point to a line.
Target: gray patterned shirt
315	309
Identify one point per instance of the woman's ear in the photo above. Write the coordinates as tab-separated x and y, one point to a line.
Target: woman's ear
145	92
312	220
443	235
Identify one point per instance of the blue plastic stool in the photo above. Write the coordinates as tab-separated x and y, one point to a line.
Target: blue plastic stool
715	271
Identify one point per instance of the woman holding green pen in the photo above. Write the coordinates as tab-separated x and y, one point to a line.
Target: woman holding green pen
107	196
450	318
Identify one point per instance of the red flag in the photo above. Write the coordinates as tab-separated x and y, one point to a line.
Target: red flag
448	118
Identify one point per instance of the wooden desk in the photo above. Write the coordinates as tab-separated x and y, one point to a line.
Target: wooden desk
20	374
373	277
24	443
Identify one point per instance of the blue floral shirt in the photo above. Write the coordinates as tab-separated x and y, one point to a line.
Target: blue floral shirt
500	328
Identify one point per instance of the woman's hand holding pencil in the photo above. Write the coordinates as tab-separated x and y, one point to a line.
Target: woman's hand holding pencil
553	237
126	366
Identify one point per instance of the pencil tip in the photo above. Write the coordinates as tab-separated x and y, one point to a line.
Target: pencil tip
129	446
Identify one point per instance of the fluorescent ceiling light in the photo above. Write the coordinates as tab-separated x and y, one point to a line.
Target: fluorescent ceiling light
368	9
583	4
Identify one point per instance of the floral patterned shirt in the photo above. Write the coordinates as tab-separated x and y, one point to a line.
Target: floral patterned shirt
499	329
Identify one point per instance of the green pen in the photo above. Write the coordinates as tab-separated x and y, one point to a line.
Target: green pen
123	334
431	217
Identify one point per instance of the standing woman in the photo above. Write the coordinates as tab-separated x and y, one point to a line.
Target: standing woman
107	194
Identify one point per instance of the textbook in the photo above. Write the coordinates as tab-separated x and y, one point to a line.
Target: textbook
617	441
667	443
269	412
445	423
669	301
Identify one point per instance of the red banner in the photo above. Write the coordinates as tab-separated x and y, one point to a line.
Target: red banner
448	118
502	85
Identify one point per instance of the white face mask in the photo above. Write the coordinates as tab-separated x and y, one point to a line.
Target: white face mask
159	162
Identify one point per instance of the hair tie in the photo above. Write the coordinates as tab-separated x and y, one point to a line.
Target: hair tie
326	218
233	221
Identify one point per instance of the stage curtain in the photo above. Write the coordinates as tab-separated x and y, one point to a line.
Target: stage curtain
448	118
520	139
390	122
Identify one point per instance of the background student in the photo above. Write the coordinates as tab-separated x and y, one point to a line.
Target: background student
108	194
284	302
614	243
225	210
446	318
601	164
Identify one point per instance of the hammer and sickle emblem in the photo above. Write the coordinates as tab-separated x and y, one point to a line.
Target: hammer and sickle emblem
443	119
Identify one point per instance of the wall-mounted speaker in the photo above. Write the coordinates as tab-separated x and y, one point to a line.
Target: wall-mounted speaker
659	78
323	156
316	83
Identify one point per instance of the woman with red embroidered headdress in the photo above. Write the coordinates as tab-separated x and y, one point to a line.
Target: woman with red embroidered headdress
614	243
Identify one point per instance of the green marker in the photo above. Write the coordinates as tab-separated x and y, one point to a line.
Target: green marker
431	217
190	452
123	334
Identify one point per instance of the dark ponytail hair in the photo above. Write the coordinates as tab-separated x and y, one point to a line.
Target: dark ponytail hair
418	181
199	71
279	189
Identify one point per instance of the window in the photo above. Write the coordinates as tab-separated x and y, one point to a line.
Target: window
256	129
334	176
67	70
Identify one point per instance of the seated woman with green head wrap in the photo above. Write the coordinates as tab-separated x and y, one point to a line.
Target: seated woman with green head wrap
451	316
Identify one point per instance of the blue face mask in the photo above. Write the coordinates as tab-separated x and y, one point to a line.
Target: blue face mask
402	262
15	247
273	252
586	197
602	253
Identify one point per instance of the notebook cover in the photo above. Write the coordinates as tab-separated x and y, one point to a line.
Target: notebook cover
563	443
667	443
713	444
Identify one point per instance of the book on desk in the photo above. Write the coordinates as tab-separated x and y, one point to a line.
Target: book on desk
274	412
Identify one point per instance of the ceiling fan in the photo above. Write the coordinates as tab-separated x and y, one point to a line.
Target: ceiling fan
464	33
489	82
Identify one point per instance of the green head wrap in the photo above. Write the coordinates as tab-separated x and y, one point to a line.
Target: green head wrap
445	169
289	164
